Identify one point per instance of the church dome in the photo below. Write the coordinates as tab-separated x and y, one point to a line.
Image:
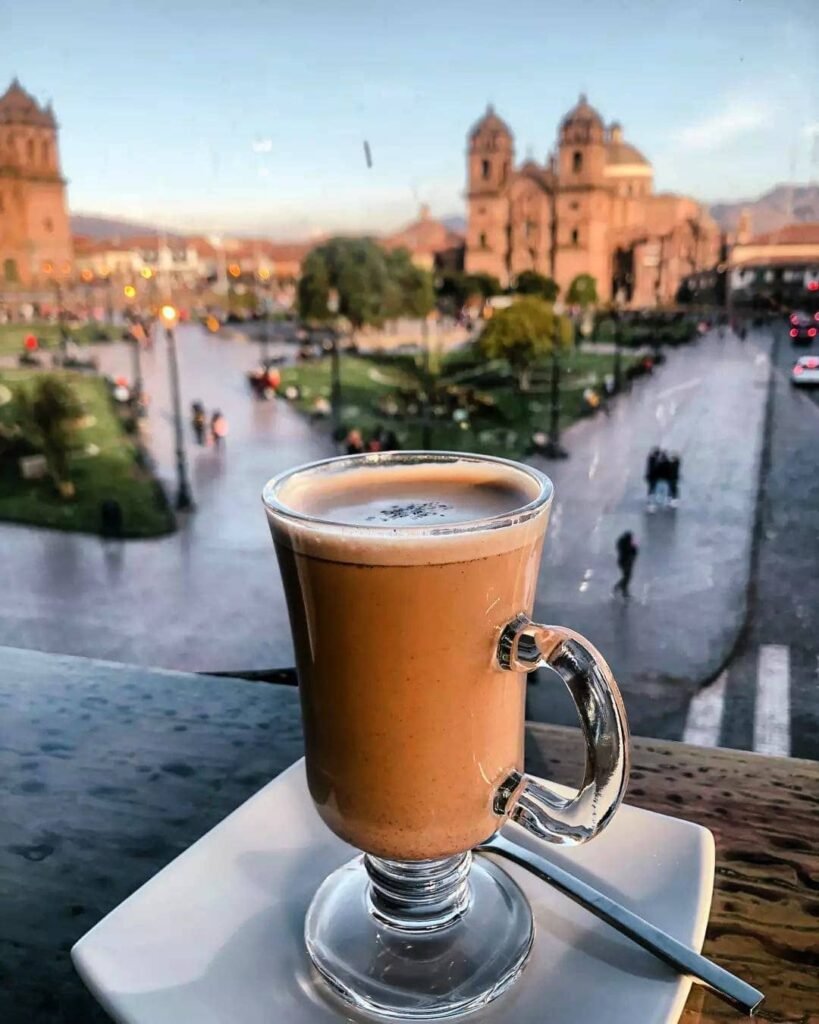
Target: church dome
582	117
490	125
624	153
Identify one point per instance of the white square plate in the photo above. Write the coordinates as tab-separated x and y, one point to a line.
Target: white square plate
216	936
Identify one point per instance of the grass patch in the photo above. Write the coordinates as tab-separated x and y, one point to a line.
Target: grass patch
111	473
503	422
12	336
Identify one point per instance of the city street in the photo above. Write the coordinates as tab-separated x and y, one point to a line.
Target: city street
209	596
768	698
691	576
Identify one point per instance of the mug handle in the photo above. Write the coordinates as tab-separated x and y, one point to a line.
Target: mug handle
524	646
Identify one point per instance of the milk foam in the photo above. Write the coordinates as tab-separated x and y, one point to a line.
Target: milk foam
398	513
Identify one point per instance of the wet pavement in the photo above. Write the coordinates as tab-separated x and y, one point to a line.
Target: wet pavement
771	687
690	580
209	598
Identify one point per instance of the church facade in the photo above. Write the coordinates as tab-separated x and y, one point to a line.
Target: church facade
35	237
591	208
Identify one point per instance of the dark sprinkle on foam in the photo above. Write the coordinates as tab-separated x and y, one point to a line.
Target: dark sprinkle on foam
412	510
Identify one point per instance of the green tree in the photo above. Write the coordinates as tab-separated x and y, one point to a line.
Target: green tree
455	289
314	287
355	270
523	332
582	291
531	283
411	291
484	284
48	411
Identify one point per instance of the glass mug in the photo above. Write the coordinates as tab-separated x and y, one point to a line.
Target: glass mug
410	578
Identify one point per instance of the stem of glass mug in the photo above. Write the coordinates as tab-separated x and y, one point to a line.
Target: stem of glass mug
421	895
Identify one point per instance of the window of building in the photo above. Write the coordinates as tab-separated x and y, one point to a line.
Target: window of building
575	236
574	205
577	161
30	150
48	224
10	271
46	153
2	203
482	240
628	189
485	169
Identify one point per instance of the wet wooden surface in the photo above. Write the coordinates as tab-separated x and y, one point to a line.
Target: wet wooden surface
110	771
764	814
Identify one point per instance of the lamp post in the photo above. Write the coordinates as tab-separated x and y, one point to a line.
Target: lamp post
618	362
170	318
136	345
335	369
553	449
426	427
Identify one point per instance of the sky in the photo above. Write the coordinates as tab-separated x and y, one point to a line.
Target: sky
251	115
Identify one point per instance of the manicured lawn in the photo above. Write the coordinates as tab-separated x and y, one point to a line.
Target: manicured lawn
107	470
505	419
12	336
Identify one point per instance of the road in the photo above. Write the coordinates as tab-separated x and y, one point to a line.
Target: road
691	577
768	698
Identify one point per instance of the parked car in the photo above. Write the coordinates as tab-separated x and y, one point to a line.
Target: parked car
804	328
805	372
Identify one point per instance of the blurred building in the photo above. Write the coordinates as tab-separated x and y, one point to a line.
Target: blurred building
430	243
777	269
590	209
35	239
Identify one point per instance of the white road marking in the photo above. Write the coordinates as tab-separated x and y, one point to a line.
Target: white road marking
679	387
704	721
772	717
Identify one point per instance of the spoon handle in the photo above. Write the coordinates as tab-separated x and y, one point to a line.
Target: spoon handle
662	945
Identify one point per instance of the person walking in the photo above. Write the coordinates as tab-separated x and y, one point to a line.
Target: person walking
627	552
218	429
673	478
652	472
198	422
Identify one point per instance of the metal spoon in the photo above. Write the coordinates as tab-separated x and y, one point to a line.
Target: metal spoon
662	945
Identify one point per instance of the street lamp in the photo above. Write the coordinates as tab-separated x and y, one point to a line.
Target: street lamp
553	449
426	429
618	340
335	369
170	318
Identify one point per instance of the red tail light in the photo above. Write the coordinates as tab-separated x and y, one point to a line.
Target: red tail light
811	332
797	370
794	332
794	319
812	364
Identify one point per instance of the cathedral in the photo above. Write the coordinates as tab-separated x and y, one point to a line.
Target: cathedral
590	209
35	237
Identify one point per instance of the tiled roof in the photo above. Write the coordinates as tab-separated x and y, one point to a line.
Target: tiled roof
791	234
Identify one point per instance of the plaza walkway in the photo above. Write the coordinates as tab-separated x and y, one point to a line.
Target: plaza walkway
209	596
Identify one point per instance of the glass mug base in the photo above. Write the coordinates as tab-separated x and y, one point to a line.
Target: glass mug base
382	952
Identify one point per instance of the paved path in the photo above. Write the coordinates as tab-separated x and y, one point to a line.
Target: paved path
209	597
206	597
689	587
